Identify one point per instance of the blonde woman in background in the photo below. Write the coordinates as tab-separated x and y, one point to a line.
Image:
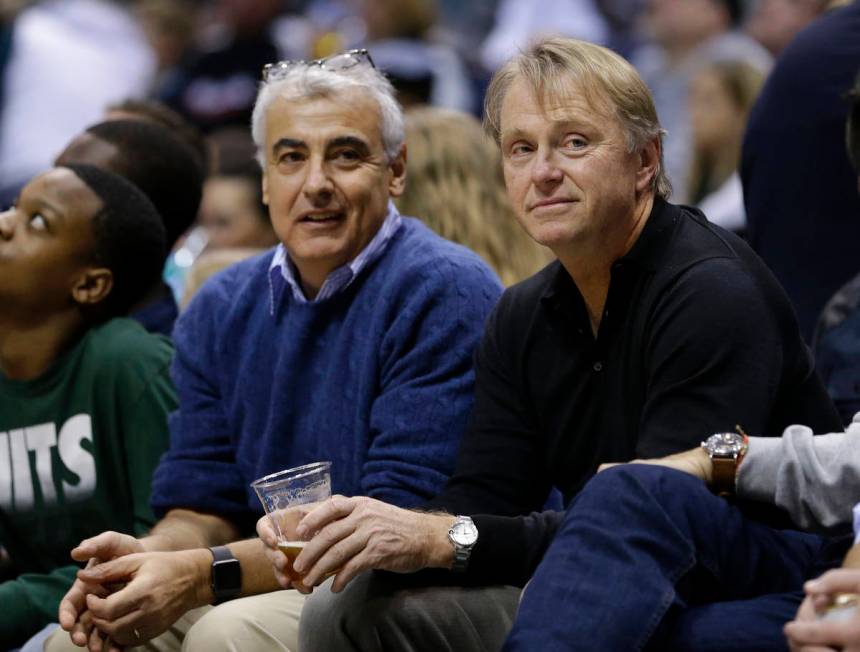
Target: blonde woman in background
721	96
455	186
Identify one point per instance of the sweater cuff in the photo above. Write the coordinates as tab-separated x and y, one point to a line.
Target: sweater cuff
498	556
758	472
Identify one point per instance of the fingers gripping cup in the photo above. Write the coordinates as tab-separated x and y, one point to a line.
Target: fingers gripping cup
283	496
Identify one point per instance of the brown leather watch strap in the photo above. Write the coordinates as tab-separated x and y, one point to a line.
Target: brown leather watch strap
723	474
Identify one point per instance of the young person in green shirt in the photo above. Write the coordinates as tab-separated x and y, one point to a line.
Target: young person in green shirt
84	396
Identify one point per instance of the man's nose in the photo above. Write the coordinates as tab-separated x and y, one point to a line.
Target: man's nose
318	184
7	224
546	171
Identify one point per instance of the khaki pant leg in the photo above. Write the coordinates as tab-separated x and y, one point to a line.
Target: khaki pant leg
255	624
169	641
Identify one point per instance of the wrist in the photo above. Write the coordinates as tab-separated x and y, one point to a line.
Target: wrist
199	564
707	466
155	543
440	552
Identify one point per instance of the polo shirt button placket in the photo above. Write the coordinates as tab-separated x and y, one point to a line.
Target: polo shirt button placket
598	366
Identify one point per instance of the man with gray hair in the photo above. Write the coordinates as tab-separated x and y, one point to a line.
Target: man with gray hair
652	327
351	341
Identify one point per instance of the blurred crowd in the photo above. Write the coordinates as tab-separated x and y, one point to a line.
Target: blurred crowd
64	61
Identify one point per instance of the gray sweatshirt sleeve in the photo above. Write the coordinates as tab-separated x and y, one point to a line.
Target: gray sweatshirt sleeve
816	479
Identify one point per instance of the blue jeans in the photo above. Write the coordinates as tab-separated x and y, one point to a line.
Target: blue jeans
648	558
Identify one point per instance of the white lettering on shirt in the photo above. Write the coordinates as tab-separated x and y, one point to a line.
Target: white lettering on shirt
76	458
5	473
22	482
18	477
41	439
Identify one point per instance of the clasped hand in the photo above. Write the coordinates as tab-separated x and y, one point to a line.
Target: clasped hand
808	633
125	596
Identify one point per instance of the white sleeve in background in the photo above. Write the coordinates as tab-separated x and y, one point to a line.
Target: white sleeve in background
69	60
816	479
856	512
725	206
520	21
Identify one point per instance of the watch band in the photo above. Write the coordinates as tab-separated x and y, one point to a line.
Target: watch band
723	471
226	580
462	550
461	558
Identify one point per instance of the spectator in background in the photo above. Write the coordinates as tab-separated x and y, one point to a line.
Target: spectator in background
623	18
216	83
170	175
837	345
836	342
400	37
69	59
170	28
232	213
773	23
84	394
721	96
685	34
518	22
232	209
800	190
154	111
456	186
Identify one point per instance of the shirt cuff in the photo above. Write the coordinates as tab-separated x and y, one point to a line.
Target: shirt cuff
856	512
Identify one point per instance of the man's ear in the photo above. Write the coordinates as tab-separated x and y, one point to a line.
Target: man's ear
93	286
265	188
397	182
649	165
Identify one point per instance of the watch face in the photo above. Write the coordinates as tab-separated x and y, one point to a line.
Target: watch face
724	444
464	533
226	576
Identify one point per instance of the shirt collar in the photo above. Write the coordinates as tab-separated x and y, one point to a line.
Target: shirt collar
282	269
647	251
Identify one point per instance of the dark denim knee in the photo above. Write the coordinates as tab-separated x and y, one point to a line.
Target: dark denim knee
639	481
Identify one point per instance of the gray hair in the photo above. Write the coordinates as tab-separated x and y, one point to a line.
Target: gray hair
549	66
312	81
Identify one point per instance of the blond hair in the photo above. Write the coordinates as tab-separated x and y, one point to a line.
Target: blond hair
554	66
456	187
742	83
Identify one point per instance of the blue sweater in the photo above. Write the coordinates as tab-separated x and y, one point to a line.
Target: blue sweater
378	378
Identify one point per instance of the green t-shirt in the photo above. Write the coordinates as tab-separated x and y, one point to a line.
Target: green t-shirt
78	447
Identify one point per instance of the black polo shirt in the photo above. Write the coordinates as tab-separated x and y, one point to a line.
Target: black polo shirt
697	336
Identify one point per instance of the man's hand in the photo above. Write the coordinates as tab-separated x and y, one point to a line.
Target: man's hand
807	633
159	587
73	615
695	461
268	535
351	535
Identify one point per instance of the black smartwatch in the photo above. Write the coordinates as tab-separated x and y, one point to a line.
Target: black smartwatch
226	580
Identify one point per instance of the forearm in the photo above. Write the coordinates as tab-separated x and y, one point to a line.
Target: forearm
852	558
811	477
257	575
183	529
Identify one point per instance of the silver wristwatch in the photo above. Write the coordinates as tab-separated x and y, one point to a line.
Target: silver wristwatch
463	535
